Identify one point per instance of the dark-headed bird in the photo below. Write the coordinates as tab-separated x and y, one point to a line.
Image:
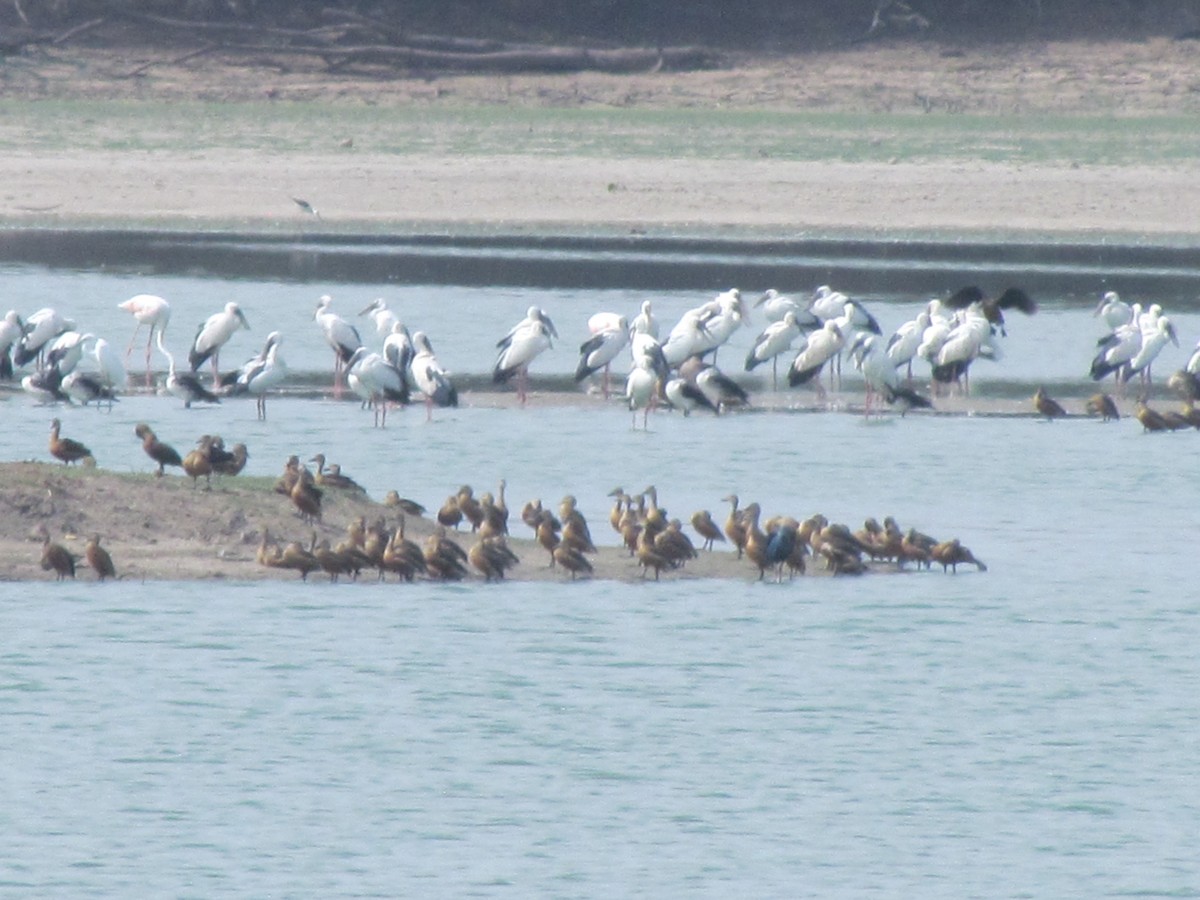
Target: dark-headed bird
993	307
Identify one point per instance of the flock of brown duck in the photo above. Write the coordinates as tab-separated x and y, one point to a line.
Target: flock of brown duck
656	542
1104	407
777	545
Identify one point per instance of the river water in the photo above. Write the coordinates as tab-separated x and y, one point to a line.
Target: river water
1027	732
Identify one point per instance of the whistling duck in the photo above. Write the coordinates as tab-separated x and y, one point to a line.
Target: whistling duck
702	521
1047	406
98	559
66	449
56	557
951	553
572	560
1104	406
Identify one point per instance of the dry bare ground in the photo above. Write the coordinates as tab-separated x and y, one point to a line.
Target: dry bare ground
249	188
137	518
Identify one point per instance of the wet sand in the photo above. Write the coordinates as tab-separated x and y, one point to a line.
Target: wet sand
135	517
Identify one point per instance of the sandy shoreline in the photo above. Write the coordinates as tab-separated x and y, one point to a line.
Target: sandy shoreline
252	191
218	539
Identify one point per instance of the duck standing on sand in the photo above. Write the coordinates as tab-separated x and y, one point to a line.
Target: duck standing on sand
163	454
66	449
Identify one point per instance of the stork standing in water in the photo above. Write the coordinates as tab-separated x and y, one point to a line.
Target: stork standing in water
152	311
822	345
872	360
213	335
379	313
776	339
430	378
262	373
649	370
597	352
11	331
523	343
40	329
379	382
340	335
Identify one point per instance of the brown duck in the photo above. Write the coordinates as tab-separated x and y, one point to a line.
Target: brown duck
56	557
98	559
66	449
162	453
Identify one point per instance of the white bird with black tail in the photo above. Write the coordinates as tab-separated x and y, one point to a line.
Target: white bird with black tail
185	385
524	342
597	352
775	340
213	335
872	360
381	382
11	331
430	378
341	336
261	373
40	329
822	345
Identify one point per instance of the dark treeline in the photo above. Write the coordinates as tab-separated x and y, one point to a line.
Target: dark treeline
770	25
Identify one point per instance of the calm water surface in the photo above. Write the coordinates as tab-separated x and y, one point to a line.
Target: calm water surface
1031	731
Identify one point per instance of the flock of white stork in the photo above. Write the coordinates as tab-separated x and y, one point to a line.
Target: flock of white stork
678	371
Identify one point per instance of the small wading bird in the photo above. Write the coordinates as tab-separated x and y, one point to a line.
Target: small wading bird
149	310
306	207
523	343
